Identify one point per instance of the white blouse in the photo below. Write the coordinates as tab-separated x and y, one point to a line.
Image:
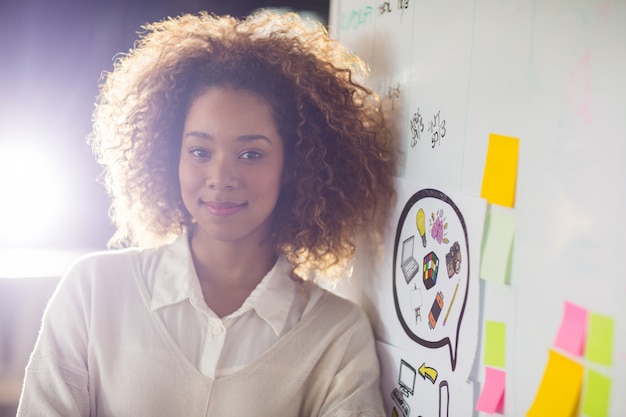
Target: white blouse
128	333
217	346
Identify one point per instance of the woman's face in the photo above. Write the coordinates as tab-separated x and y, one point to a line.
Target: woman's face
231	165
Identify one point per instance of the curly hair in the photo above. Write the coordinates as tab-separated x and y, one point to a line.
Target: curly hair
339	153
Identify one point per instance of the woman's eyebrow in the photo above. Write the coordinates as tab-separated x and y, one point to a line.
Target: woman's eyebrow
252	137
243	138
197	134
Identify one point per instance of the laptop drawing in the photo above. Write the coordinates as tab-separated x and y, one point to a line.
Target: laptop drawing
409	264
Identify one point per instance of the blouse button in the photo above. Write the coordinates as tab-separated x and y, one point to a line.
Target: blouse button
217	331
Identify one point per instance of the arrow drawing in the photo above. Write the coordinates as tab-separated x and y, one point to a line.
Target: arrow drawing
427	372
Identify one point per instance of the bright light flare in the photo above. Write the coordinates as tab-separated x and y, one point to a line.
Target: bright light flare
32	193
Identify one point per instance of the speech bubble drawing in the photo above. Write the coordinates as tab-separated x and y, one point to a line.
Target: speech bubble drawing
431	270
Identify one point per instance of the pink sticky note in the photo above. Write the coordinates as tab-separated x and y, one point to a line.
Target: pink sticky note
573	330
491	398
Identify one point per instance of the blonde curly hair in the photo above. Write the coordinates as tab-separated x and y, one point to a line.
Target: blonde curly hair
338	150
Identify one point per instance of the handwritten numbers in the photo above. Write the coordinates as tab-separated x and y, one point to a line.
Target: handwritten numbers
385	7
417	127
393	93
437	129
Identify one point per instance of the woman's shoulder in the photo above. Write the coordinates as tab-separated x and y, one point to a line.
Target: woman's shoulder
327	305
115	259
129	266
105	260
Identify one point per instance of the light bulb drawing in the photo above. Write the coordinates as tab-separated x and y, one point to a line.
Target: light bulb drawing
420	220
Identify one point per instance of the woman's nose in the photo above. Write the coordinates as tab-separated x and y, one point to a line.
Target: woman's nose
221	174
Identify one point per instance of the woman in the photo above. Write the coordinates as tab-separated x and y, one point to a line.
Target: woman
242	158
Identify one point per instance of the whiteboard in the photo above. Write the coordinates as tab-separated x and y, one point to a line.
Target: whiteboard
553	74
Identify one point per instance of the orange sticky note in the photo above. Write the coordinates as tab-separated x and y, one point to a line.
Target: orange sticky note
491	398
573	329
500	175
560	387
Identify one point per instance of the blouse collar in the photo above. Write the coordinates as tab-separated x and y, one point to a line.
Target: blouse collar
176	280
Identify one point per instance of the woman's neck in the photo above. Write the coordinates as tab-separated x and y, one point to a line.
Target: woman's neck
228	272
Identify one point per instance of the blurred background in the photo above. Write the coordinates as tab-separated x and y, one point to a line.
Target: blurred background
52	208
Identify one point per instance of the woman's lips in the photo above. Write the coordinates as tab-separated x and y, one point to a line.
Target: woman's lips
223	208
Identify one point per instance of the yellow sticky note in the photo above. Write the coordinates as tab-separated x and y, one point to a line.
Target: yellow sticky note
599	347
559	390
596	395
495	343
497	247
500	176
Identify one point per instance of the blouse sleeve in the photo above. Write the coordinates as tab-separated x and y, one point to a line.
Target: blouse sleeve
56	382
355	389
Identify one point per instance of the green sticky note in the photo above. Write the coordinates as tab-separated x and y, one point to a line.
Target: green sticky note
495	344
497	245
596	394
599	347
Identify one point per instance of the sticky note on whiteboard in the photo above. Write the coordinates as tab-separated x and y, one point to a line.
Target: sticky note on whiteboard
497	247
559	391
500	175
599	346
573	329
495	344
596	394
491	399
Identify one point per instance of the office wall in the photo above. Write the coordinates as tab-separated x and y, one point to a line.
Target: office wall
550	75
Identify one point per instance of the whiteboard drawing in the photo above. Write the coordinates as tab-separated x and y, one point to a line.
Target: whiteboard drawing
406	387
409	264
405	395
416	303
442	289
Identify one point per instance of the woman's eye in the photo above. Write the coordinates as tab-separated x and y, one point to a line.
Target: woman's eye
199	152
251	155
